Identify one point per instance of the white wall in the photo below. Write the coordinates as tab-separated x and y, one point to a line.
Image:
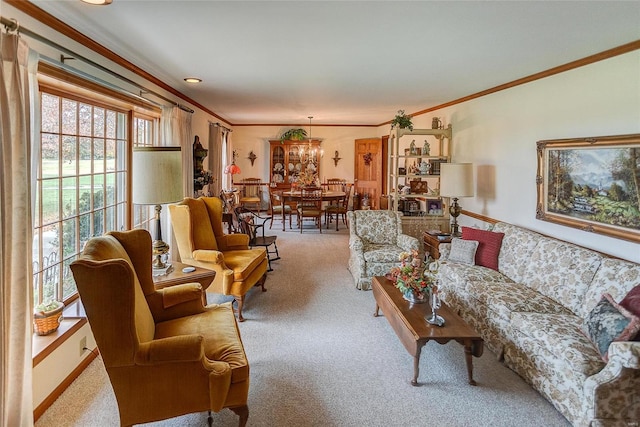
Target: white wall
498	133
341	138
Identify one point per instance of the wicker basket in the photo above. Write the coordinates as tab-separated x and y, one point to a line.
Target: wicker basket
48	322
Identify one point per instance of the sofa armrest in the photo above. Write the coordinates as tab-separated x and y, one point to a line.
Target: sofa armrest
628	352
181	348
445	250
356	244
611	393
408	243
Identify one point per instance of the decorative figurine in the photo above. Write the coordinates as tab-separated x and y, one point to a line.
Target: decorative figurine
426	149
412	148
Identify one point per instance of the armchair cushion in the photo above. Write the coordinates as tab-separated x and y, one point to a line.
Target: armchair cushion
221	338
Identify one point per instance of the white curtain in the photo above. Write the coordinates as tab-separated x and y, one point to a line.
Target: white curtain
17	80
176	130
214	159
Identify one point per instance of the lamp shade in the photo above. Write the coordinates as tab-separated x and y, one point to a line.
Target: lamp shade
456	180
157	175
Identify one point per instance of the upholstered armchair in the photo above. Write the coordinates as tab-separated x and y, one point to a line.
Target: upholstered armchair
166	354
197	225
375	243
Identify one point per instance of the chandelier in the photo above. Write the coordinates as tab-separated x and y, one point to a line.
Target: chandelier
309	154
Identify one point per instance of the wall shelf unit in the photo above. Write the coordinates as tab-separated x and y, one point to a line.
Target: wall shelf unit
414	177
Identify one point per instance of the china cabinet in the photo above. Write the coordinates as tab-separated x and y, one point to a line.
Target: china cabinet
288	159
414	175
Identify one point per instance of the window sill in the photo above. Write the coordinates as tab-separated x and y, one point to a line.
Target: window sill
73	318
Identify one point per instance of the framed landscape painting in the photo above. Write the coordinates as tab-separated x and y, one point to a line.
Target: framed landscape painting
591	184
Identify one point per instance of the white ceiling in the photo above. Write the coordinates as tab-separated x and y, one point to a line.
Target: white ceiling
346	62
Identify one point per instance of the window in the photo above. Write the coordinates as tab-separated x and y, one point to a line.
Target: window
82	182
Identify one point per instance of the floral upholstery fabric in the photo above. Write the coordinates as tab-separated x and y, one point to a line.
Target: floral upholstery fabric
375	243
454	272
531	313
517	245
614	277
562	272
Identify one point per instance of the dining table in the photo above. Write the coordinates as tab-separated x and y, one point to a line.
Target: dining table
295	195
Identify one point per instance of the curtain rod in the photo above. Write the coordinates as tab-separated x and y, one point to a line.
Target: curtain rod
14	25
219	125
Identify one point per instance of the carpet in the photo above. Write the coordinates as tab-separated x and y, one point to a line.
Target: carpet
319	358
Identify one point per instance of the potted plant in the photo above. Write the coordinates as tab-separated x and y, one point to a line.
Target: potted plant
294	135
402	121
47	317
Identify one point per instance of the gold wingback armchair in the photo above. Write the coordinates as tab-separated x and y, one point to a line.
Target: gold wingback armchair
166	354
197	225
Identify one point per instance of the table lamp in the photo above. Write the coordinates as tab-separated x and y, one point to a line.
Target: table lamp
157	179
456	180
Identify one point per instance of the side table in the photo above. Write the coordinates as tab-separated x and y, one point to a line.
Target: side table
177	277
432	242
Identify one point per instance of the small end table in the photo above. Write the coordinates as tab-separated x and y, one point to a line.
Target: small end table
432	242
177	277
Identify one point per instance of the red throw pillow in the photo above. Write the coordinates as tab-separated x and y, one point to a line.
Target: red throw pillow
632	301
489	244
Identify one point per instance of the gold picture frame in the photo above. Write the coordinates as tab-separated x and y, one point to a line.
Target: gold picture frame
591	184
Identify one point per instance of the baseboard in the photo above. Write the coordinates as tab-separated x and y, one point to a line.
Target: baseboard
55	394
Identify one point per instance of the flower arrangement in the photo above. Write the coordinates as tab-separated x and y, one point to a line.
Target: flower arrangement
308	178
411	275
402	121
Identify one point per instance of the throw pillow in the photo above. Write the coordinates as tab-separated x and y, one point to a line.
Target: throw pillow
489	244
632	301
463	251
609	322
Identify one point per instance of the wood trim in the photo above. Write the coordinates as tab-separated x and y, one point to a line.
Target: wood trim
625	48
44	345
479	217
52	76
303	125
65	29
57	392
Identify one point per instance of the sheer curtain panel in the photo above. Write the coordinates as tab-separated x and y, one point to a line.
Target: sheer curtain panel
216	137
17	77
176	130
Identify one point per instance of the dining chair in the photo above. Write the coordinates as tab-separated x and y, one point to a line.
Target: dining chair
335	184
251	193
279	207
339	209
310	206
252	224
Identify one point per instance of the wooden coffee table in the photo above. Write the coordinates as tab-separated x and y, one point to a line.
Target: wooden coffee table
408	322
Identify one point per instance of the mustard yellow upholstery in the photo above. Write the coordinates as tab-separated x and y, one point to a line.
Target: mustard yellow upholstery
165	353
197	225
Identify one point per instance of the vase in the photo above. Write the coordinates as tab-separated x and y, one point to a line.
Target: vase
415	296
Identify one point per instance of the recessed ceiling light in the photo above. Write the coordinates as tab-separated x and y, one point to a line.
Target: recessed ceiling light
98	2
192	80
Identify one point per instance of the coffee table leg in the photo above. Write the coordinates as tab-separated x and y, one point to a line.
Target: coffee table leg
467	355
416	367
376	313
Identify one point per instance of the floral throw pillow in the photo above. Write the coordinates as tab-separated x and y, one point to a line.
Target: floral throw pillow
489	244
463	251
609	322
632	303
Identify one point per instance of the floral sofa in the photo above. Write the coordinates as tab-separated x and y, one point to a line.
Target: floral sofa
533	310
375	244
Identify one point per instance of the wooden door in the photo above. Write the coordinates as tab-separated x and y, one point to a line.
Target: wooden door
368	169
